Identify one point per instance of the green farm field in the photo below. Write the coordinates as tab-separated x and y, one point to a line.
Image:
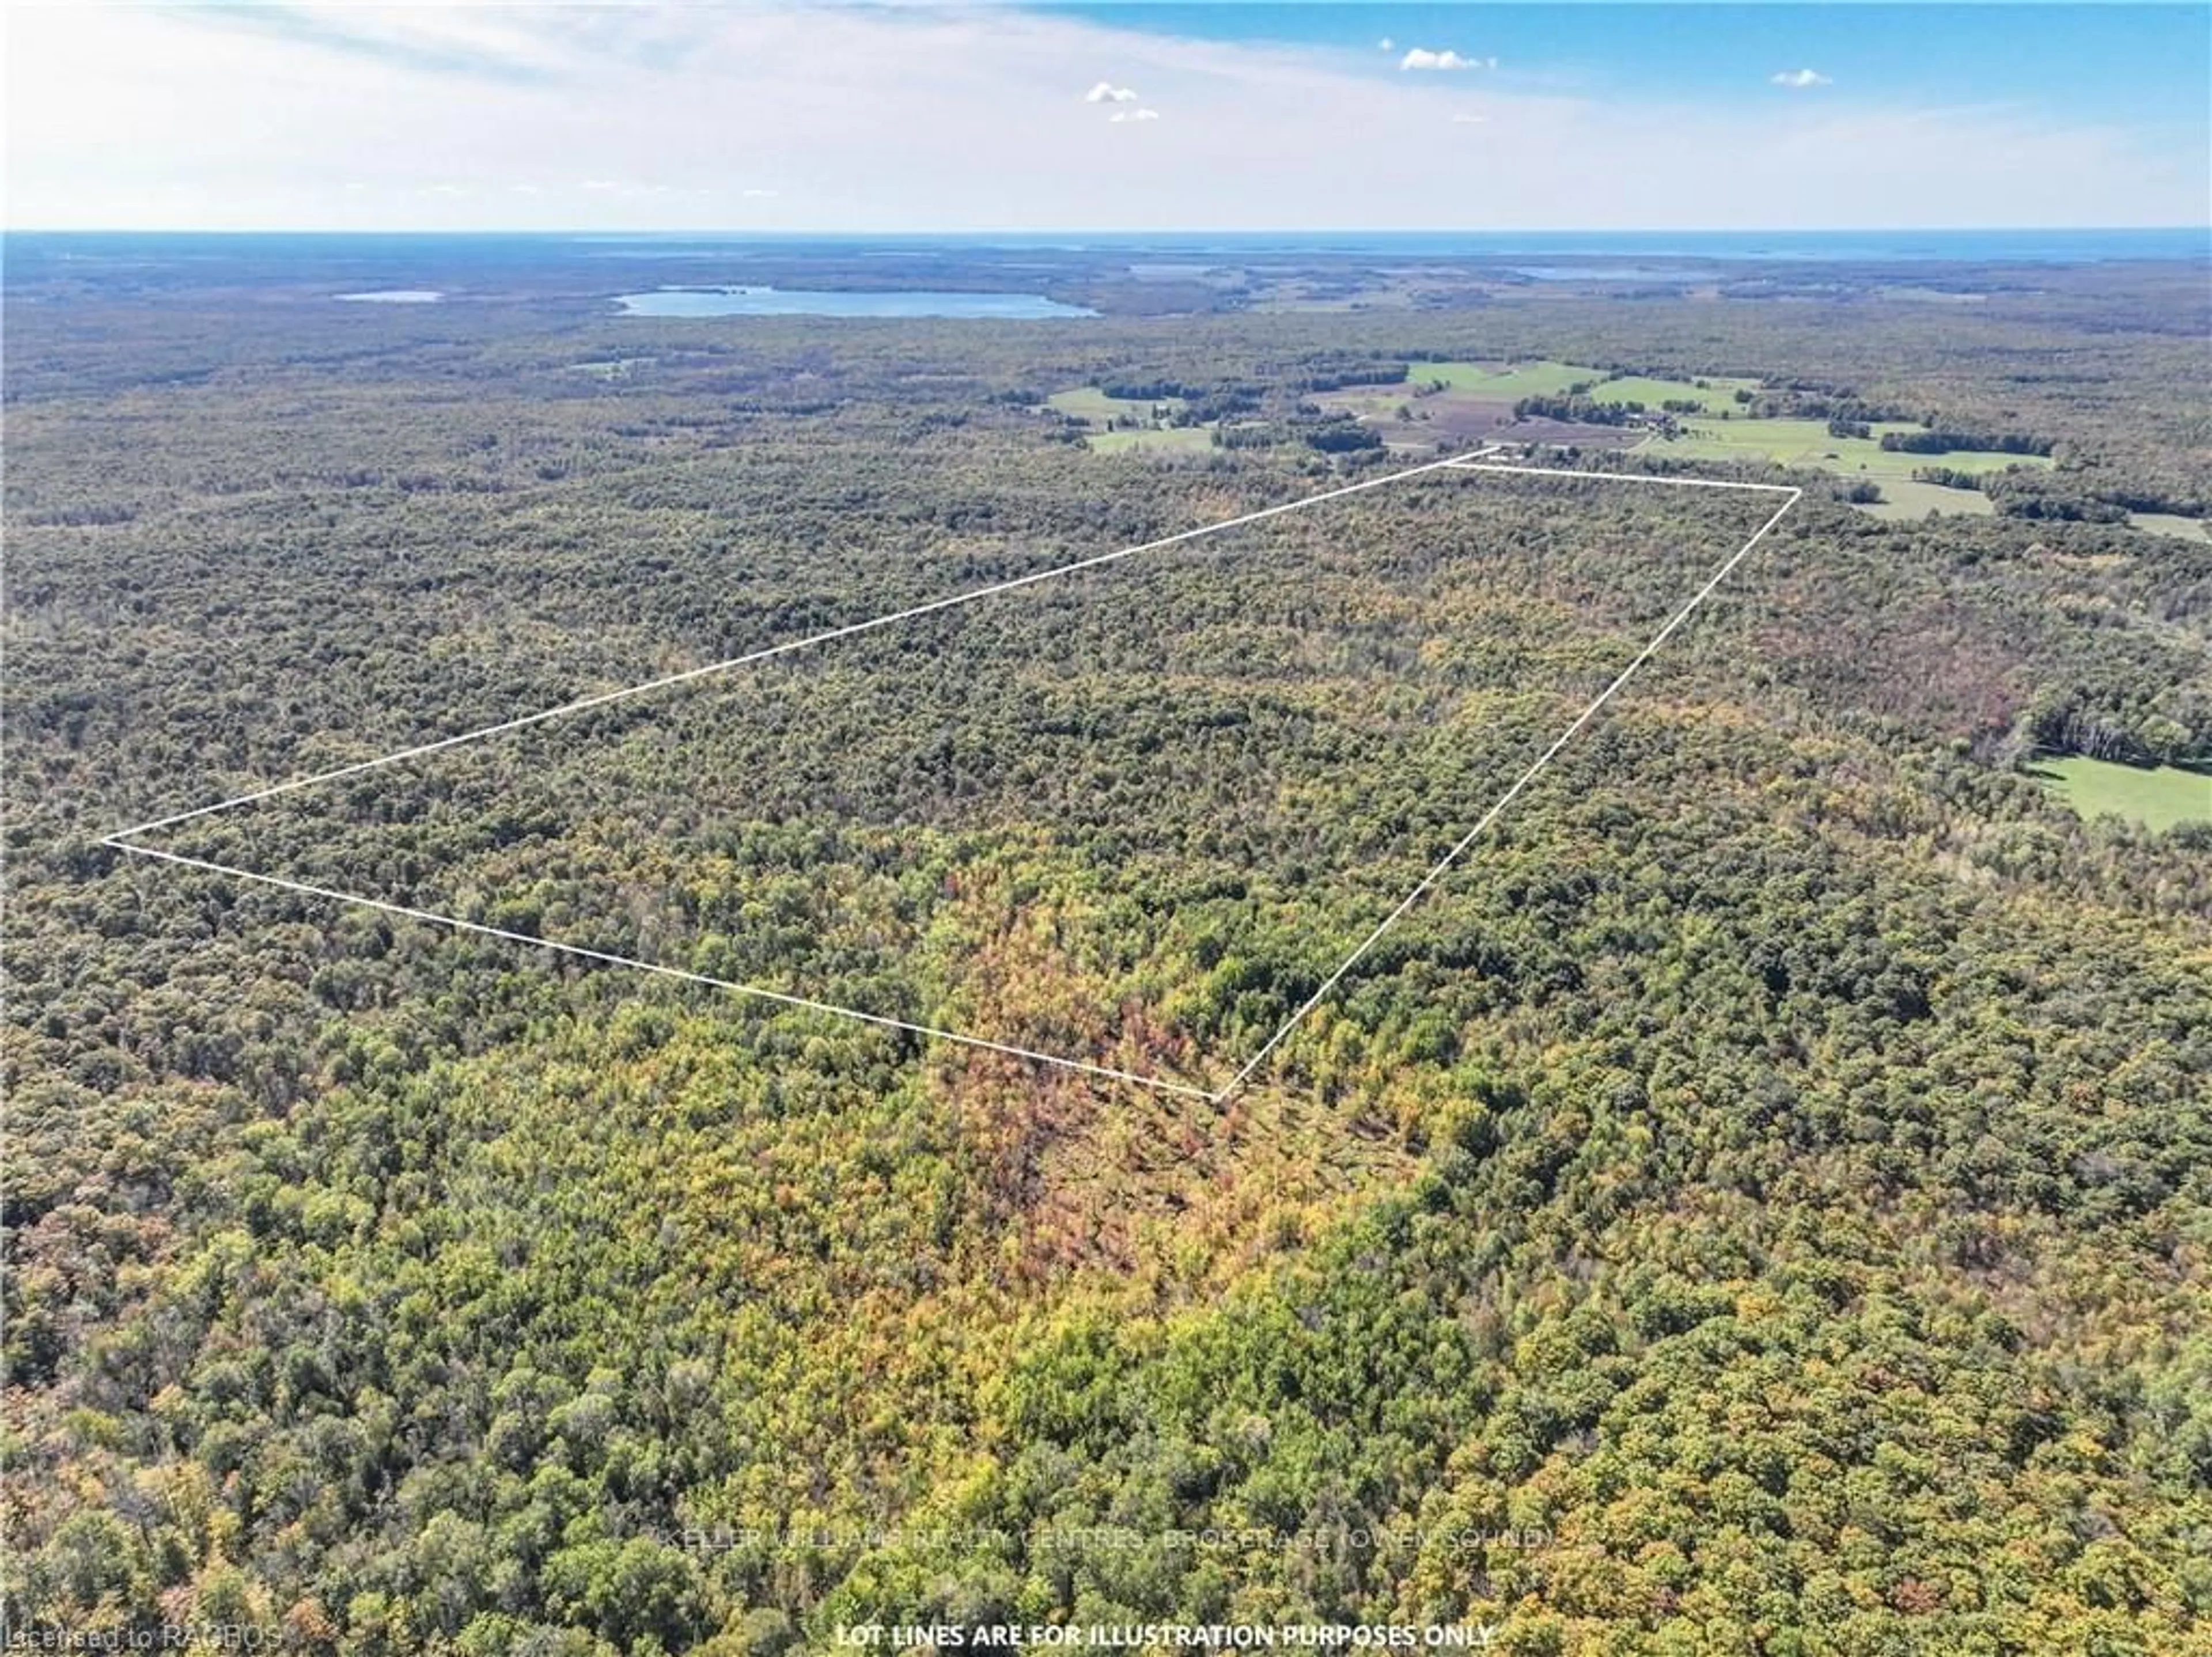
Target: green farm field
1184	439
2157	796
1903	497
1091	406
1090	403
2168	523
1807	443
1369	403
1716	395
1515	379
1549	379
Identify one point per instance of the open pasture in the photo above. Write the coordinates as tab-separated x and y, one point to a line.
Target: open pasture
2157	796
1809	444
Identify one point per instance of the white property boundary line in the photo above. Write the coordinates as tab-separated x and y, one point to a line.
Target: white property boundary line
784	648
123	840
607	958
1443	865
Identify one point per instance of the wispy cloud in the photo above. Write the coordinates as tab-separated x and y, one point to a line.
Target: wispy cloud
628	191
1386	44
1106	92
1799	77
925	116
1422	57
378	37
664	38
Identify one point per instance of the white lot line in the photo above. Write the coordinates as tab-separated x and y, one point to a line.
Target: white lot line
1443	864
606	959
121	838
784	648
1475	463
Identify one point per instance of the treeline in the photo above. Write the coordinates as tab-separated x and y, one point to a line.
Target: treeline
2033	495
1839	407
1338	376
1302	377
2124	722
1942	477
1309	426
2021	492
1580	409
1202	402
1937	441
1850	415
1854	419
2063	497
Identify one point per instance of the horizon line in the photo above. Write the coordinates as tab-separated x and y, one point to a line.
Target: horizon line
741	232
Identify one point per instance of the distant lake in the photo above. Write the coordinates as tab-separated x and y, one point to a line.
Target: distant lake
802	301
395	296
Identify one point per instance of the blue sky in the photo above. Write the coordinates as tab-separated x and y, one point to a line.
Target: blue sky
784	116
2131	63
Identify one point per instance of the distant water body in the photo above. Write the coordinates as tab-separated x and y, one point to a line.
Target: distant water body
799	302
368	267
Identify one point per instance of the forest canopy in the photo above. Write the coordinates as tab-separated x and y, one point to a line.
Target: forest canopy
1756	1204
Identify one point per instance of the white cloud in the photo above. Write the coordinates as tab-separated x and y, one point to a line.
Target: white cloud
1386	44
1106	92
1422	57
623	188
1470	120
1134	115
1800	77
925	117
757	195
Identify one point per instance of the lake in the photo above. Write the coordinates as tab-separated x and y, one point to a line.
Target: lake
801	302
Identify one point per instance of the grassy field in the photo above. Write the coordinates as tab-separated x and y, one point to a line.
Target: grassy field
1547	379
1504	380
1089	403
2156	796
1901	497
2166	523
1807	443
1166	440
1373	402
616	368
1718	392
1097	411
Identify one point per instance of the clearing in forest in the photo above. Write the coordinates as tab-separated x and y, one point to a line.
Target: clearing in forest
2157	796
1136	816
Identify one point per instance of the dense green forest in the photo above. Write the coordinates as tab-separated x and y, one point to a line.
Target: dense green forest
1757	1204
